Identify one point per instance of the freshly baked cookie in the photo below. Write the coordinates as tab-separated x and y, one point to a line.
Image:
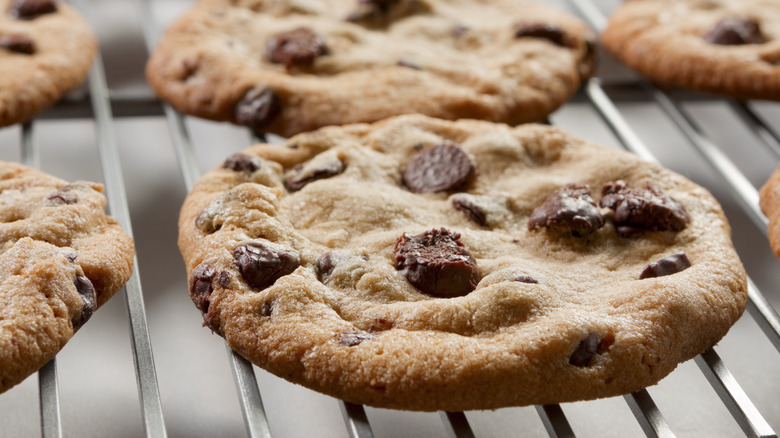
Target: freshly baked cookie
730	47
291	66
770	205
433	265
46	50
61	258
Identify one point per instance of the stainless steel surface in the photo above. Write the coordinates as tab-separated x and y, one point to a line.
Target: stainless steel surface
144	366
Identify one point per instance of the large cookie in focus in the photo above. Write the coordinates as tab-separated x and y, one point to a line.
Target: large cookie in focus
729	47
432	265
46	50
769	198
289	66
61	258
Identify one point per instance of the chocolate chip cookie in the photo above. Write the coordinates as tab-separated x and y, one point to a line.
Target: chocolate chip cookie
289	66
729	47
425	264
61	258
46	50
770	205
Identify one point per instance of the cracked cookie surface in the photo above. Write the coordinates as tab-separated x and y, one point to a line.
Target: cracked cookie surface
359	286
729	47
61	258
46	50
292	66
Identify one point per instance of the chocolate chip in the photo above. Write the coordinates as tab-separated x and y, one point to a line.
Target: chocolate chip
645	209
240	162
18	44
267	309
526	279
545	31
297	47
442	168
261	265
408	64
569	209
224	279
733	31
585	351
381	13
303	174
258	109
325	265
437	263
205	222
63	196
350	339
88	297
30	9
468	207
666	266
380	325
201	287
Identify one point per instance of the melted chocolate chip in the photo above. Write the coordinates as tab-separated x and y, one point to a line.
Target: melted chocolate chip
205	222
31	9
645	209
526	279
545	31
585	351
468	207
666	266
258	109
18	44
298	47
261	265
734	31
267	309
350	339
436	263
444	167
89	299
63	196
303	174
569	209
201	286
240	162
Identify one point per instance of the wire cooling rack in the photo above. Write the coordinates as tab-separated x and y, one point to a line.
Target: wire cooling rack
623	106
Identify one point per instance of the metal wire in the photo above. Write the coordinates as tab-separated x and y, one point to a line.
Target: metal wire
647	414
555	421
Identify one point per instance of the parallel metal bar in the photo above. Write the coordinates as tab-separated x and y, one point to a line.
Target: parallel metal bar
732	395
768	136
51	423
244	376
149	393
456	424
356	420
30	153
647	414
554	421
766	317
249	396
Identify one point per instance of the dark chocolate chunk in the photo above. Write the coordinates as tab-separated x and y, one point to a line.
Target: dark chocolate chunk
224	279
325	265
442	168
89	299
585	351
63	196
734	31
201	286
350	339
474	212
298	47
31	9
437	263
666	266
258	109
569	209
303	174
240	162
267	309
526	279
261	265
645	209
545	31
18	43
